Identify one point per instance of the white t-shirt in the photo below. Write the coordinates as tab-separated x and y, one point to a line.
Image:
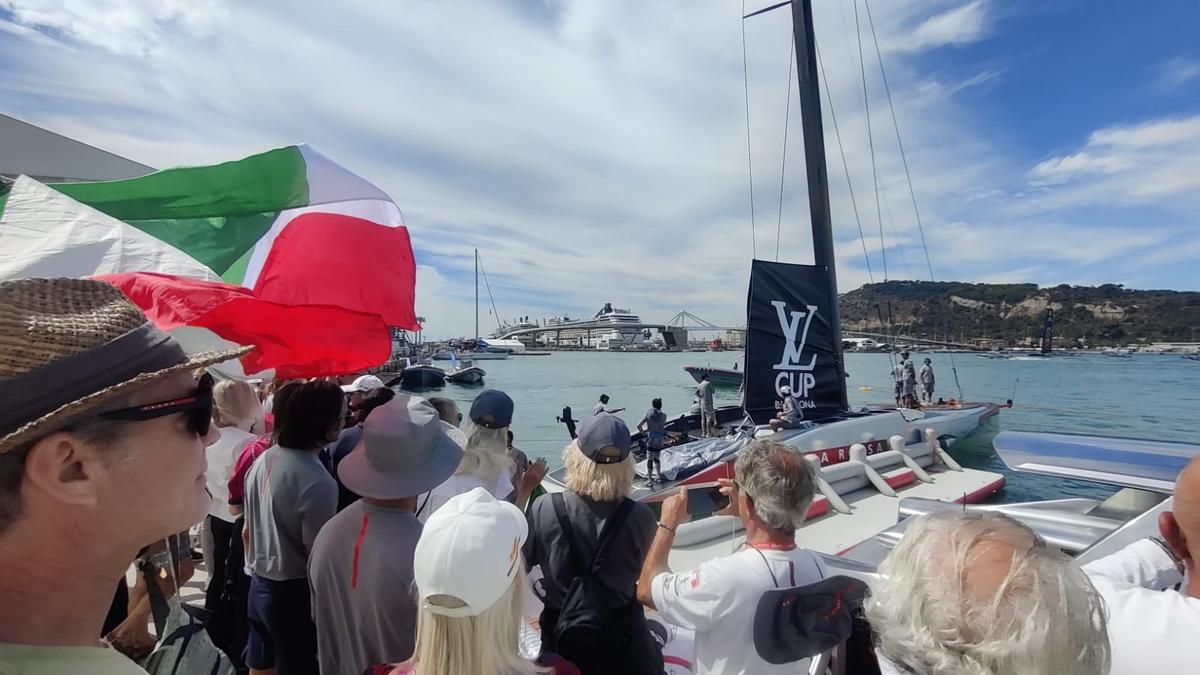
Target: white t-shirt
718	600
1152	627
221	457
458	484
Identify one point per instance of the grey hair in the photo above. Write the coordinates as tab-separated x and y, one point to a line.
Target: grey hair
933	615
779	482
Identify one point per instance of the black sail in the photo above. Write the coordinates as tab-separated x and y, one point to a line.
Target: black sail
790	340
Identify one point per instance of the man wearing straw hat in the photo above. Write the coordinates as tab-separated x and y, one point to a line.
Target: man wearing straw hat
102	436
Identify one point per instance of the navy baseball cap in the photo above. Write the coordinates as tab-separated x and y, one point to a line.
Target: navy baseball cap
601	431
492	409
796	623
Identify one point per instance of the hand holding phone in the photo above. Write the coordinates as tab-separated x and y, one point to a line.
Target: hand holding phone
706	499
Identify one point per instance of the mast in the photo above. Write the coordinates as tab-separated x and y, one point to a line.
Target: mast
818	177
476	298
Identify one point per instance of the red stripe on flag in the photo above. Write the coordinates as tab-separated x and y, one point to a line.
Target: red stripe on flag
333	259
297	341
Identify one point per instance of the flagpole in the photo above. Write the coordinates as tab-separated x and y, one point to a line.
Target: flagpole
476	298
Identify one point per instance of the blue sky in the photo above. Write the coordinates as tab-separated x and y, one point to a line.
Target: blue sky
595	151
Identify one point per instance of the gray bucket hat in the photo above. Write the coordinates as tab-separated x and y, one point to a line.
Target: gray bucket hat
405	450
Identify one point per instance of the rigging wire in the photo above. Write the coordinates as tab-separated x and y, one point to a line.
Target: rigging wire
896	125
907	174
870	139
862	238
749	154
887	209
495	311
786	118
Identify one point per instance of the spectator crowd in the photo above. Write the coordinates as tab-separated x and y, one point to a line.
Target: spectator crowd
351	529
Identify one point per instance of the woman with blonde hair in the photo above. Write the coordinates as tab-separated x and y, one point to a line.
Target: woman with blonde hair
486	462
471	587
594	530
237	414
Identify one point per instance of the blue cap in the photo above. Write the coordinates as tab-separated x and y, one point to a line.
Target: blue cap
601	431
492	409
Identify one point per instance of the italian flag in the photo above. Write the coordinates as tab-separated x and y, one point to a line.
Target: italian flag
289	224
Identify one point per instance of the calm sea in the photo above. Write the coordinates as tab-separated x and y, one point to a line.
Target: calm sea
1142	397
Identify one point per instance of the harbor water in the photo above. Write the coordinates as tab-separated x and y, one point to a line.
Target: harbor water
1146	396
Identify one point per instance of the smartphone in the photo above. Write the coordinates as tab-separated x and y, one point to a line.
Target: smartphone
705	499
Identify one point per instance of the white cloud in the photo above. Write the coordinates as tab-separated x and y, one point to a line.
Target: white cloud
594	151
1125	164
961	25
1175	73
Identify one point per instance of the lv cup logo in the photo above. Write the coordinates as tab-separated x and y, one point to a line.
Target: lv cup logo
792	371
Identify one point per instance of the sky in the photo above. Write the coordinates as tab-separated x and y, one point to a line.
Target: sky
596	150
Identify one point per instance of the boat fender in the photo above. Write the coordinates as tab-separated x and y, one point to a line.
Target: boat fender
897	443
940	452
835	500
858	455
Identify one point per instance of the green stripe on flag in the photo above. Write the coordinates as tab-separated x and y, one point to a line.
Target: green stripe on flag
215	214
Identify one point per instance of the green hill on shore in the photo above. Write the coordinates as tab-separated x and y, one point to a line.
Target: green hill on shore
1108	315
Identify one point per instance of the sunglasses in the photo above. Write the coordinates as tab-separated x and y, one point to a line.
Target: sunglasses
198	407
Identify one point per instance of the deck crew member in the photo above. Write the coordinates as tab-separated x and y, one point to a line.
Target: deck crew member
771	494
978	592
1151	625
898	380
708	409
654	425
602	406
908	394
790	416
926	378
102	437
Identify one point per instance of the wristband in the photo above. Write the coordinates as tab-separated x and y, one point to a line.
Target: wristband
666	527
1170	553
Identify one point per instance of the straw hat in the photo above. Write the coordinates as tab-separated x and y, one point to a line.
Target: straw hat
69	346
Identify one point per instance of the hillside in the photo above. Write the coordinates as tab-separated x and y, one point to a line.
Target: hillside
1097	315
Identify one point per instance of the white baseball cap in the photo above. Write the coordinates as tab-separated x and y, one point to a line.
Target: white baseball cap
470	549
363	383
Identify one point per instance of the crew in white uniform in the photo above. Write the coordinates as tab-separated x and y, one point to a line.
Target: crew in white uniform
1153	627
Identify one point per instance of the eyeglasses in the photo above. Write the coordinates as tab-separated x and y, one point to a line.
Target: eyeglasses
197	406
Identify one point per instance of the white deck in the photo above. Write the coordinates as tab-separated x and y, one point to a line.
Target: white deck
871	513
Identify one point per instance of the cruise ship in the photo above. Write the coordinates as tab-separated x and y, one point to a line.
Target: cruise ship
605	338
619	336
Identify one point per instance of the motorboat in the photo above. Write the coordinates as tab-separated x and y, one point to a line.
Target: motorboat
420	376
466	375
720	377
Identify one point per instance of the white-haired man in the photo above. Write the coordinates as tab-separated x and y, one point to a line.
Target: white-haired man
1150	624
102	437
771	492
978	593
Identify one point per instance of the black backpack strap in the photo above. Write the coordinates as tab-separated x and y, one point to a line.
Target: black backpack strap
158	604
560	512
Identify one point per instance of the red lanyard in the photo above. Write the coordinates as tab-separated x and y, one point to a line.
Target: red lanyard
773	546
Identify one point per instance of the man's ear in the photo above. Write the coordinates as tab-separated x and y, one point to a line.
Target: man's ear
1169	528
63	469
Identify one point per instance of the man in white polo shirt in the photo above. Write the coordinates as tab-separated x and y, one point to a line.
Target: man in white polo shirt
1150	624
771	493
